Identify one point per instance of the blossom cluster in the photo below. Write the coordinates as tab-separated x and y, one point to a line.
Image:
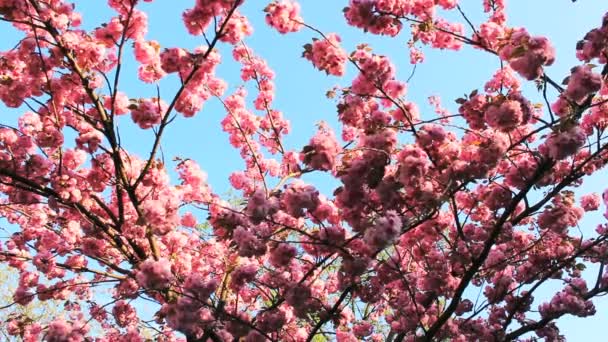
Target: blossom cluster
326	55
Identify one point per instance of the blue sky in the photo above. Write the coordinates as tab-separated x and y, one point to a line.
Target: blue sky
301	90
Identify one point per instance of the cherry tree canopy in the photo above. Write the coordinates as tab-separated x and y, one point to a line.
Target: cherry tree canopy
442	226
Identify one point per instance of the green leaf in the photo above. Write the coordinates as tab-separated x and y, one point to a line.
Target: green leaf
319	338
518	52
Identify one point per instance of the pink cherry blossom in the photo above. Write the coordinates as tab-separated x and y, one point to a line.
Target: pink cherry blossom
527	54
155	274
428	221
327	55
284	16
591	202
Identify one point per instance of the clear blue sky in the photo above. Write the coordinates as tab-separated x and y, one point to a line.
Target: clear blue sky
301	89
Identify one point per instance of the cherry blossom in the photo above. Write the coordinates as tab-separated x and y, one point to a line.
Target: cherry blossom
398	221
